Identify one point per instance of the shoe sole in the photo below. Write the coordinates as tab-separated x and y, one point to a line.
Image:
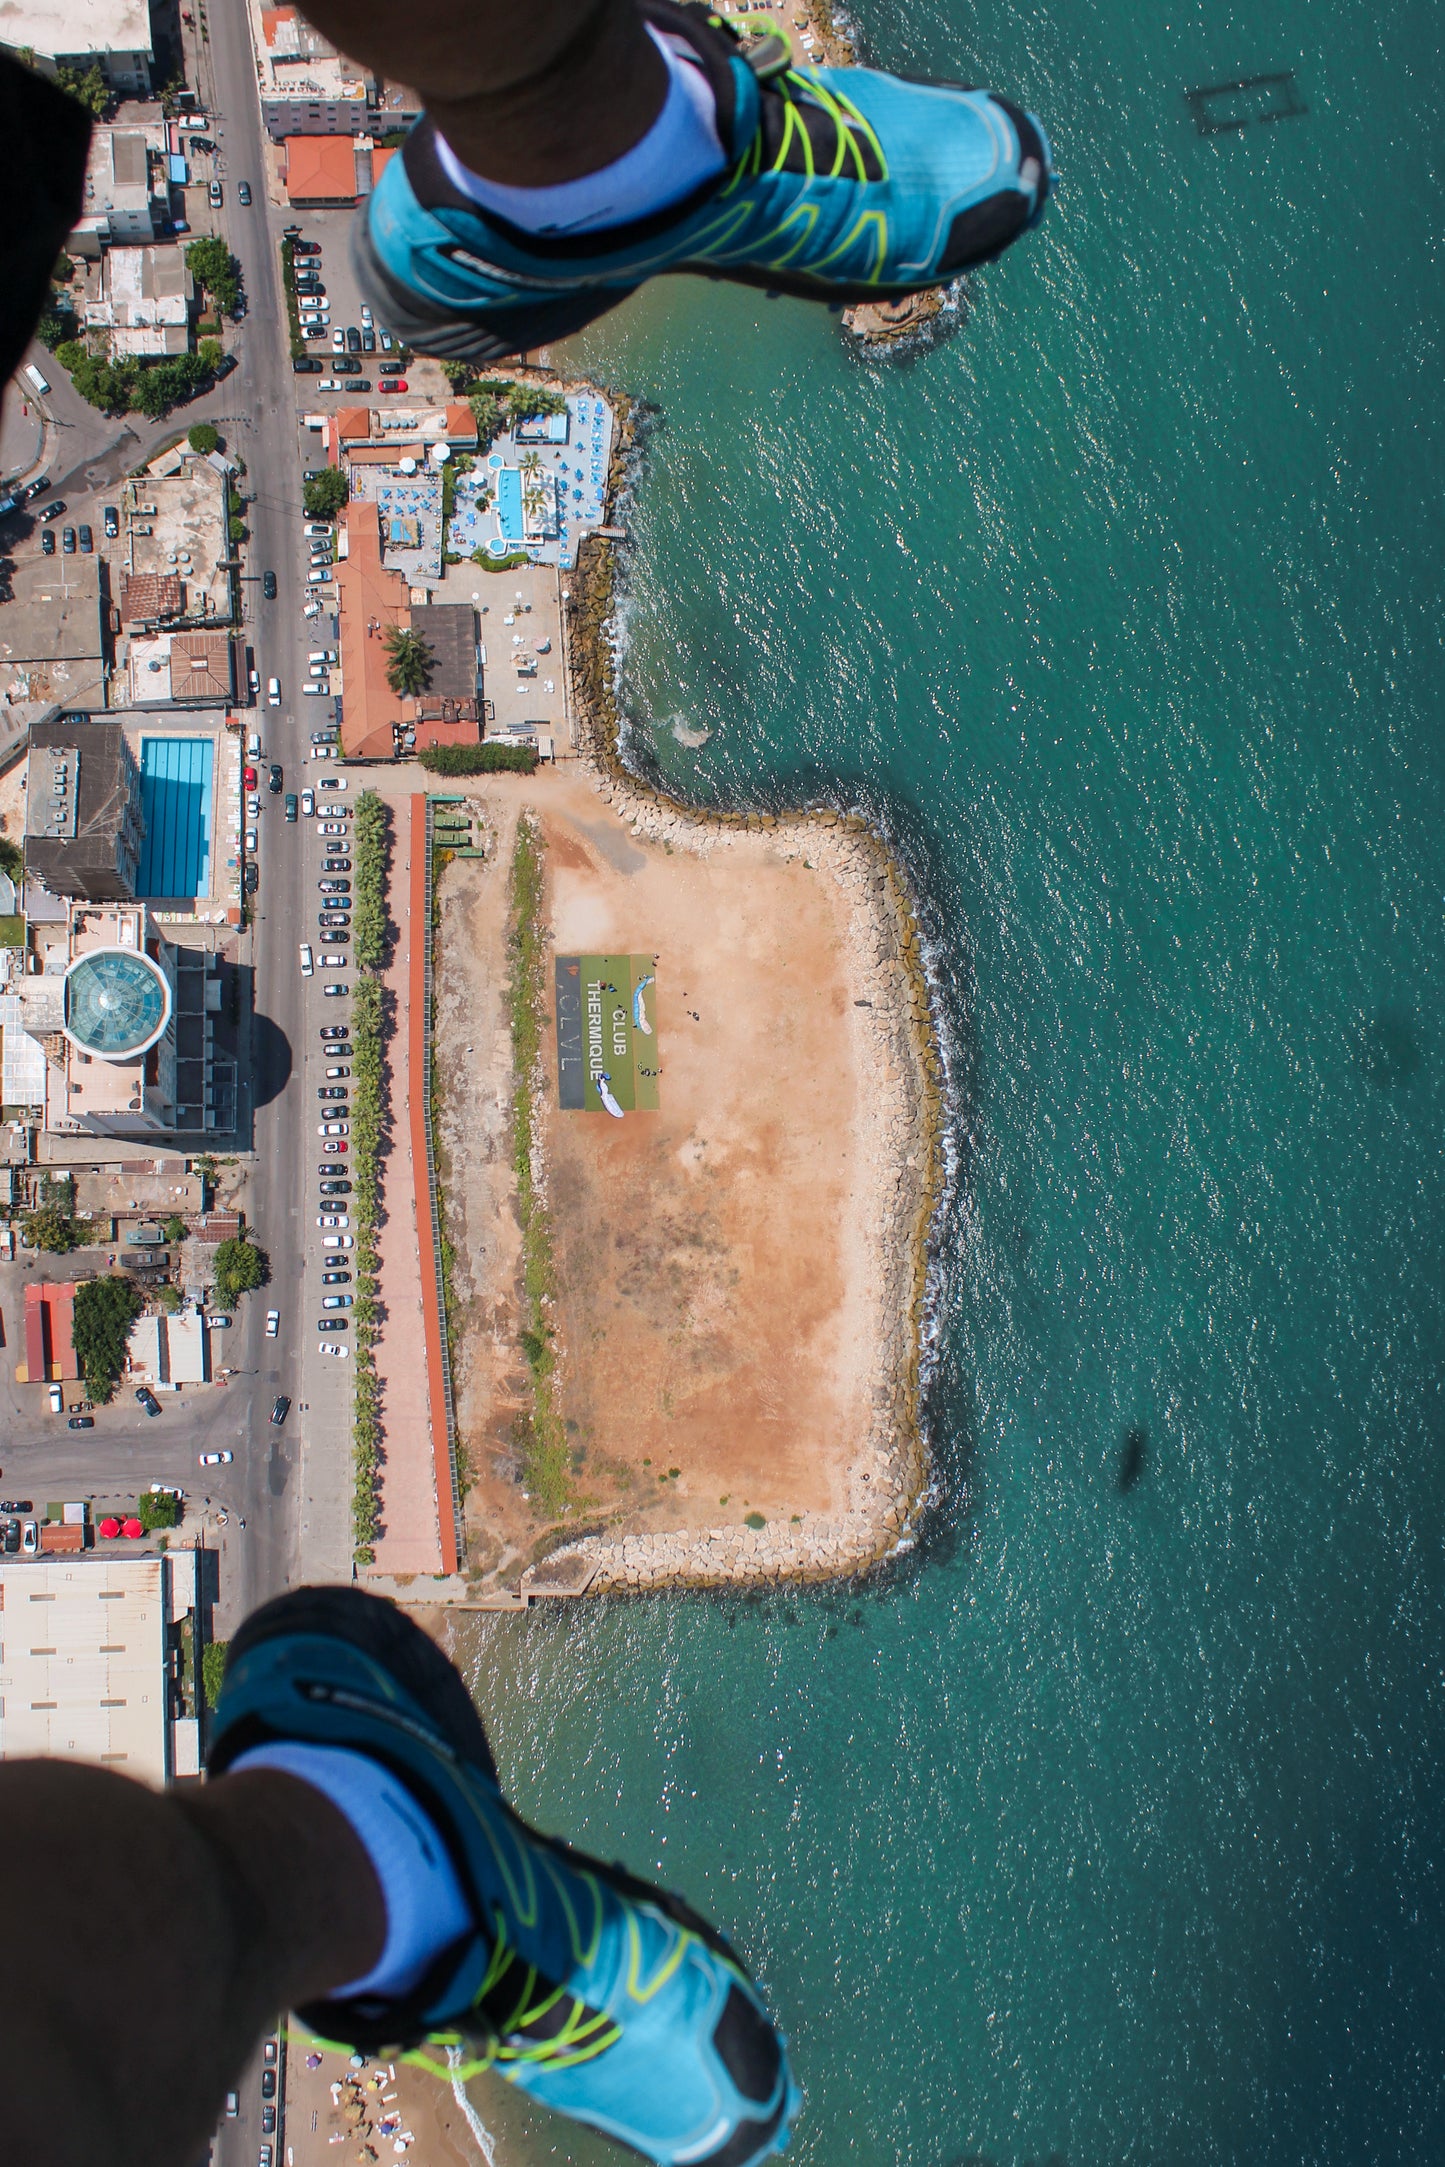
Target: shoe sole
448	336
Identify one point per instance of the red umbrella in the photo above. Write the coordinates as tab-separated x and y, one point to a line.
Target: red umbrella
110	1529
132	1529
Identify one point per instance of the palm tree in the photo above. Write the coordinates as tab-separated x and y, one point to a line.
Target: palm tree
409	661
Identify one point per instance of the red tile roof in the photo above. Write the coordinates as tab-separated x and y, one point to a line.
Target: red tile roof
320	169
370	599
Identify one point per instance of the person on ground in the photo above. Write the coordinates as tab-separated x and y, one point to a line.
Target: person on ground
570	152
351	1856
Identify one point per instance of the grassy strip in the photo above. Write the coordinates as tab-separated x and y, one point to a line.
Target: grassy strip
368	1023
493	758
541	1438
293	313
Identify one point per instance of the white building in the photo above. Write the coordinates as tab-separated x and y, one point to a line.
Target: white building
126	194
85	1662
145	303
114	34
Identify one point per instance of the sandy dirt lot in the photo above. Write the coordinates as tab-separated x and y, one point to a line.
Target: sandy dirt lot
716	1267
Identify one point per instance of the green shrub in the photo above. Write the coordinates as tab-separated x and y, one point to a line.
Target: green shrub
105	1310
50	1228
754	1519
204	436
155	1508
213	1670
491	758
240	1268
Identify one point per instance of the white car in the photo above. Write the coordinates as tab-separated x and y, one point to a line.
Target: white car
319	579
334	963
317	526
219	1323
273	1323
365	313
332	782
318	691
253	747
338	1241
386	342
332	827
334	1074
253	678
319	659
57	1400
328	383
313	607
215	1459
308	803
250	842
273	692
338	342
333	1218
338	1347
334	1128
308	963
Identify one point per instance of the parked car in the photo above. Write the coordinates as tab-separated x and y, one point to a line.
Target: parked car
57	1400
333	827
220	1323
332	1091
338	342
333	993
334	887
67	542
214	193
338	1241
333	1128
333	782
333	1030
308	802
368	341
333	1218
338	1347
147	1399
52	511
336	865
243	194
308	365
251	877
268	2120
290	805
335	1188
305	248
273	1323
273	780
333	1324
336	1279
318	691
112	522
307	961
281	1409
353	339
10	1536
47	542
268	2083
273	692
398	383
268	585
81	1422
334	1146
215	1459
30	1535
87	540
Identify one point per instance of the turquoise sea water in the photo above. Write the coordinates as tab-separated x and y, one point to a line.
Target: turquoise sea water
1107	1828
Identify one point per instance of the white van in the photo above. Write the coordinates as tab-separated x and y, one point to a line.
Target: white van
34	378
318	579
253	742
307	965
338	1241
57	1400
273	692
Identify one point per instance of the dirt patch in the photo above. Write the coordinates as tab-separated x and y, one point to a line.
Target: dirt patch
727	1315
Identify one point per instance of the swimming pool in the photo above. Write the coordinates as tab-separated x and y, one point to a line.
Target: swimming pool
509	505
175	796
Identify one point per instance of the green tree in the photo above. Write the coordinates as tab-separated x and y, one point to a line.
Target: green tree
212	265
12	858
409	661
157	1508
50	1228
237	530
240	1268
213	1670
57	327
168	1298
489	759
459	374
90	88
204	436
174	1228
208	353
323	496
63	269
105	1310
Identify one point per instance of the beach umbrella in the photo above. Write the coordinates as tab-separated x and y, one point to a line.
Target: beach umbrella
110	1529
132	1530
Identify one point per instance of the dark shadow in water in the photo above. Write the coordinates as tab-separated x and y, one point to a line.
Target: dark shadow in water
1224	108
1134	1456
1388	1053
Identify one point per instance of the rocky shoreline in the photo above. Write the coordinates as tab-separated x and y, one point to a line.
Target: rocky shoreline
889	1479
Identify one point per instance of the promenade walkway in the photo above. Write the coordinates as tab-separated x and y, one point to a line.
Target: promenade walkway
411	1540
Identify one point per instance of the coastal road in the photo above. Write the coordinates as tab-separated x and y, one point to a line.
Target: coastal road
297	1497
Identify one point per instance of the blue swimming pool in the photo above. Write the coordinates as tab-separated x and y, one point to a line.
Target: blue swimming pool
175	795
509	505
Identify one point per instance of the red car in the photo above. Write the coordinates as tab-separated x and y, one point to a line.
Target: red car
398	385
249	776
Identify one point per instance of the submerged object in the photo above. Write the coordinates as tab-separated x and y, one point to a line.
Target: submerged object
1134	1457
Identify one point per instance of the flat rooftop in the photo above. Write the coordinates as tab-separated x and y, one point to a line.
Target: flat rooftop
79	26
51	642
82	1662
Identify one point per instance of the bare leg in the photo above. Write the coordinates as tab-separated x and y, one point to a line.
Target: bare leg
531	94
151	1939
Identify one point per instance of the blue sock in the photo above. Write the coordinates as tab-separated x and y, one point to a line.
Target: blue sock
680	151
425	1906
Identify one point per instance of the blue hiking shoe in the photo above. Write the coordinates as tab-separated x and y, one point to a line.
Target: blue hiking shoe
843	185
591	1991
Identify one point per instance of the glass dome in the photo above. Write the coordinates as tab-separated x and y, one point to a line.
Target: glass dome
116	1002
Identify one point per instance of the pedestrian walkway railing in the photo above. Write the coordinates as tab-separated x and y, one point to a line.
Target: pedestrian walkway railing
425	932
